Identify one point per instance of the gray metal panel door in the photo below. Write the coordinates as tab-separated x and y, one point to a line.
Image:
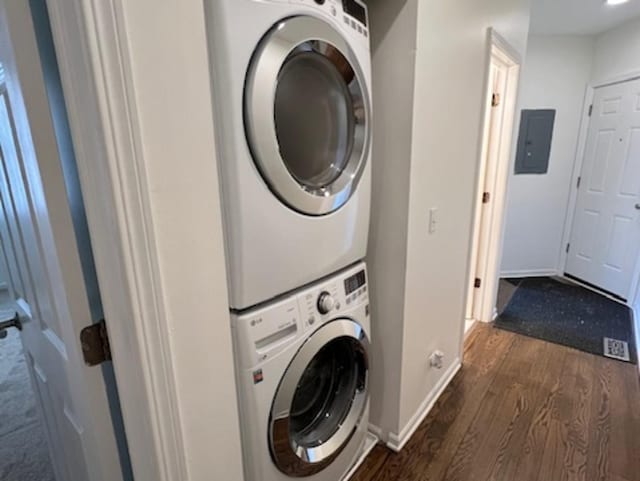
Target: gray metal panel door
534	141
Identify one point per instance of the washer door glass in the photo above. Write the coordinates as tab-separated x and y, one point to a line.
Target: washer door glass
320	399
307	115
325	393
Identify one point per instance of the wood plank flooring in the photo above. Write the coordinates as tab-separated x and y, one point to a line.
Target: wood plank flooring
521	409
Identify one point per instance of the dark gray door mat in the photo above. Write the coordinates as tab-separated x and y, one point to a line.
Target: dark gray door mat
568	314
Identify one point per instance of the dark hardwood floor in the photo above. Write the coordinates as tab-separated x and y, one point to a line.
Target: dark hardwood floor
522	409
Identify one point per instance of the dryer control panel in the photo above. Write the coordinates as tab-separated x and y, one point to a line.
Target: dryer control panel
355	9
353	13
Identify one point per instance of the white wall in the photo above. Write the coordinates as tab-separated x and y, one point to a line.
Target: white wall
393	40
421	309
617	52
186	215
451	67
555	76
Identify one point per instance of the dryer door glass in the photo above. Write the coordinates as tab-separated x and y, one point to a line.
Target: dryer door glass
314	118
307	115
320	400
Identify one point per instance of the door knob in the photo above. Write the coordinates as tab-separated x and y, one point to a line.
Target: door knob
7	321
637	206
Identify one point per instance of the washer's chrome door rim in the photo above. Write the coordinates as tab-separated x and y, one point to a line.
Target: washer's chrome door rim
302	33
296	460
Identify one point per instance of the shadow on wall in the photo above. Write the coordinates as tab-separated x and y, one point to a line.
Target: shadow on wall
386	15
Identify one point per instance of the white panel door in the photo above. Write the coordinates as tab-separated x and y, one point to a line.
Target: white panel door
52	305
77	403
605	237
498	78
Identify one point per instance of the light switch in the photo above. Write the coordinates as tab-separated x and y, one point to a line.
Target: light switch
433	220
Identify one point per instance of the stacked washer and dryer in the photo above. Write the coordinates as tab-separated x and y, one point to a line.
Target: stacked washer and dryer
291	84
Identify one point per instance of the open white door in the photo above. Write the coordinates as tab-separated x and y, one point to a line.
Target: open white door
605	237
501	94
45	240
498	78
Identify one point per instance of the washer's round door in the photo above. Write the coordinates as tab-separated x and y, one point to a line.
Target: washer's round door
307	115
320	399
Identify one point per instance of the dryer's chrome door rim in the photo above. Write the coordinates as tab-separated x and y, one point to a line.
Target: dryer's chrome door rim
291	37
290	457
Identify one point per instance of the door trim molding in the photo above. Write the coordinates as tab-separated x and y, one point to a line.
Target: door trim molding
625	77
497	47
91	45
577	172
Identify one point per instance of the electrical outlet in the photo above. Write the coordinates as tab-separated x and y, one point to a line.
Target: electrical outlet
433	220
437	359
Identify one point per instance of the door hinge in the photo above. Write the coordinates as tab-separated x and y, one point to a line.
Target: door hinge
495	100
568	245
477	282
590	110
95	344
578	182
486	197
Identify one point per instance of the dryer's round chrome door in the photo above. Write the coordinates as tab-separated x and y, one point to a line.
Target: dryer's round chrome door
307	115
320	399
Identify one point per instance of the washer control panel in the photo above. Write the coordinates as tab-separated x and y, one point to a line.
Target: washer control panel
329	299
262	333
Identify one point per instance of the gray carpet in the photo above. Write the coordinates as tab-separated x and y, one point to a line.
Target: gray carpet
565	313
24	454
17	403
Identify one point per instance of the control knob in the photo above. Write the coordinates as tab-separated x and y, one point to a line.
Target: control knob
326	303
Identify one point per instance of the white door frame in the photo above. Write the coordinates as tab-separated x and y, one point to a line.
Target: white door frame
577	172
498	47
158	250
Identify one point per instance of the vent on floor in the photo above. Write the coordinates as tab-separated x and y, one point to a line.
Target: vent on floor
616	349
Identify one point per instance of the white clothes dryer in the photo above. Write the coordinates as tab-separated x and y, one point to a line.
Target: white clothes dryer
291	92
302	371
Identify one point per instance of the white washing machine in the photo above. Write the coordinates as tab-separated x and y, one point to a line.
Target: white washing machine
302	373
291	89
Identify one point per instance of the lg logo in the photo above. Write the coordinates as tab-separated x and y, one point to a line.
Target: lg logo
255	322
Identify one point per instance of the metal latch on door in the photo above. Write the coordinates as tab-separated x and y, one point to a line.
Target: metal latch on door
7	321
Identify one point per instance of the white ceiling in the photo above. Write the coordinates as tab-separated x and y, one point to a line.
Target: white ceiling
579	17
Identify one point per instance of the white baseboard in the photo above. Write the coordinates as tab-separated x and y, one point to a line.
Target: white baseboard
369	443
468	326
396	442
530	273
376	431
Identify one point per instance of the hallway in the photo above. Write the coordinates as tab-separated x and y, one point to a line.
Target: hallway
23	449
523	409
